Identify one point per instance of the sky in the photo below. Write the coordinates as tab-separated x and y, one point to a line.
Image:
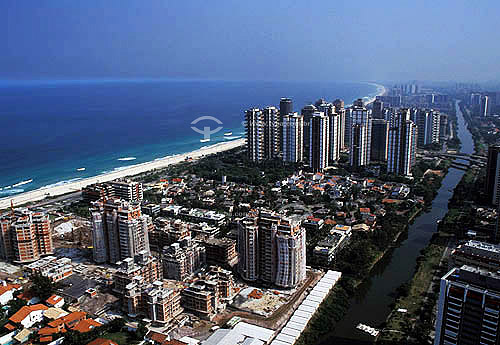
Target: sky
250	40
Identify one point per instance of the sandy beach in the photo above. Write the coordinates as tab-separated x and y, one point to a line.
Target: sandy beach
160	163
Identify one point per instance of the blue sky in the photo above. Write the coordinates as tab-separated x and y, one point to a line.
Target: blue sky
278	40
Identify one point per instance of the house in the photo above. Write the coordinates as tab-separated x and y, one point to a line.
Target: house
156	338
27	316
69	320
102	341
7	292
55	301
86	325
22	336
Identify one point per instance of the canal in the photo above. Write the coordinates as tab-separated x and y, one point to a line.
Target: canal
371	303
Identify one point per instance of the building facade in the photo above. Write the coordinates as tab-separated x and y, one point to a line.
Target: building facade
182	259
271	249
402	146
492	187
293	137
360	134
263	133
25	236
380	140
119	230
468	307
319	141
428	122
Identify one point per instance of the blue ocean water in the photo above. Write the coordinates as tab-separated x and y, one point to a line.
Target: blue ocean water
52	128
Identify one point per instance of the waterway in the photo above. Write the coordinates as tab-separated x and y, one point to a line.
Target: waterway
371	304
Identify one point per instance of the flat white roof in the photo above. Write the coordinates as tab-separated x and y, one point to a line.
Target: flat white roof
279	342
257	332
299	320
324	285
310	303
303	314
295	325
322	289
315	298
291	332
306	308
319	295
286	338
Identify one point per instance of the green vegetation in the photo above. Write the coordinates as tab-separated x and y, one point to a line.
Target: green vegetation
43	287
416	298
79	208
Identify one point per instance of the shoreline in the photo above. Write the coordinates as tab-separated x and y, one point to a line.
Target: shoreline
58	189
159	163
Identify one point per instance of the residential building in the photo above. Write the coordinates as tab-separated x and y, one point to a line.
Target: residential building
359	126
444	127
307	113
7	292
127	190
248	248
27	316
263	133
293	137
318	141
221	252
51	267
334	144
25	237
340	110
157	303
484	109
378	109
119	230
402	145
380	140
477	254
468	307
182	259
143	267
286	106
326	250
271	249
428	122
492	187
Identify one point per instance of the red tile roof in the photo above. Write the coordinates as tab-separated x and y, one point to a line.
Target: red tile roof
25	311
86	325
102	341
53	300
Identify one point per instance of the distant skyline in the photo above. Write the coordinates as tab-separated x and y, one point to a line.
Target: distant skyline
258	40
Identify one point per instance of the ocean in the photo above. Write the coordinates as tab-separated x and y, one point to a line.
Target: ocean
51	130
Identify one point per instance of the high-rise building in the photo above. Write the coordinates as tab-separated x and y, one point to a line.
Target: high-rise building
263	133
475	99
271	249
142	267
468	307
293	138
340	110
307	112
319	141
443	127
380	140
428	122
272	133
25	237
248	248
484	109
334	127
492	187
286	106
126	190
183	259
402	145
157	303
378	109
119	230
360	129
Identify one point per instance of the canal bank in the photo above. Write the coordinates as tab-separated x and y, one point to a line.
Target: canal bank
373	297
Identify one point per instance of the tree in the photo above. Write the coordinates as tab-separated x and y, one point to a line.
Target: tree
42	286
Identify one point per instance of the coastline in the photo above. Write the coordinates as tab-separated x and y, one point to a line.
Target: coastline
43	192
76	184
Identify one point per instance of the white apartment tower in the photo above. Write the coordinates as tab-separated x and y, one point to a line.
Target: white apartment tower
402	145
292	140
360	129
